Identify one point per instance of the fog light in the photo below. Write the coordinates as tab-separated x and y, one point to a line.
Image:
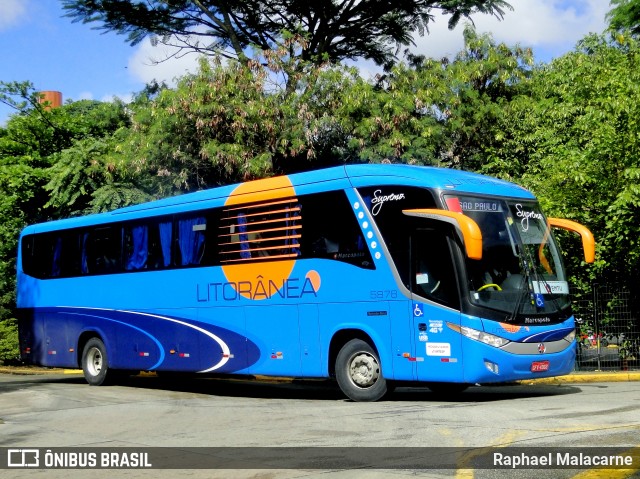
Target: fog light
493	367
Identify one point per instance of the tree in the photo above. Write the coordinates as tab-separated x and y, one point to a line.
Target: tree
334	30
36	128
233	122
29	145
625	15
435	112
573	140
476	90
223	124
20	194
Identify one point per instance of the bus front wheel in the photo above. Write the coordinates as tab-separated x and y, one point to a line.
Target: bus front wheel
358	372
95	363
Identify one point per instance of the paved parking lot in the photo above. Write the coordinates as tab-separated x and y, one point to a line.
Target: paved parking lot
63	411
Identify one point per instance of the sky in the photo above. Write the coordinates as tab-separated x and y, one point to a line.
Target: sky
38	44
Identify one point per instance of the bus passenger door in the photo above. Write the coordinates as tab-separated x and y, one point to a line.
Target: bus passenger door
435	302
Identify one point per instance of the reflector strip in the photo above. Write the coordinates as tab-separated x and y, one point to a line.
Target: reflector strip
454	205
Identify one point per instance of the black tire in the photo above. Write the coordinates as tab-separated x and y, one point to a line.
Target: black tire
95	363
359	373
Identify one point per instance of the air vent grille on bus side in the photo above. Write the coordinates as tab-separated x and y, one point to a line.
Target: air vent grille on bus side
261	231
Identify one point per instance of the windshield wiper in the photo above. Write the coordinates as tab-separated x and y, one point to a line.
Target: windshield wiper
526	279
526	261
536	292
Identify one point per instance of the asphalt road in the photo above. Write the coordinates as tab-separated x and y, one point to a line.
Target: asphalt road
54	411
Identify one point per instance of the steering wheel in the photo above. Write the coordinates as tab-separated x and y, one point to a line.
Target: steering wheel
490	285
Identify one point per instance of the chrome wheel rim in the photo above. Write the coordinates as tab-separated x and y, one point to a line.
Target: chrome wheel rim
94	362
364	370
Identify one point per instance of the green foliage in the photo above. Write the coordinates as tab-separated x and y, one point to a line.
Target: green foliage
625	15
83	179
76	173
214	127
39	147
9	349
235	122
40	132
574	141
474	91
232	123
21	198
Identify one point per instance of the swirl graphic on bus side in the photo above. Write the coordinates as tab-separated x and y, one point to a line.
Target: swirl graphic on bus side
226	353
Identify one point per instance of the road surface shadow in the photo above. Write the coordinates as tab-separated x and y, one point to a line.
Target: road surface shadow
295	389
328	389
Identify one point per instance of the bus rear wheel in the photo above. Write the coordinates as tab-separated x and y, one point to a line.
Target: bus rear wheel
358	372
95	363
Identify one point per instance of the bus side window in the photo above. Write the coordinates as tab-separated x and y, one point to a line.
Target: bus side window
136	247
37	256
100	249
268	230
161	239
147	246
191	239
433	270
63	254
56	257
331	230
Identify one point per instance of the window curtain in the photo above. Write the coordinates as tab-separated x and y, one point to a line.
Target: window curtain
291	219
139	248
57	254
166	234
84	266
191	240
244	237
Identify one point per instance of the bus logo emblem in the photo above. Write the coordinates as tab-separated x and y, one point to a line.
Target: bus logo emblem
541	348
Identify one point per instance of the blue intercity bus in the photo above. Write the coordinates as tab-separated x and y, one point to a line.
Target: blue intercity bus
375	275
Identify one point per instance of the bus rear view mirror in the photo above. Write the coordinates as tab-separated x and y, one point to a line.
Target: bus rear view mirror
588	242
469	229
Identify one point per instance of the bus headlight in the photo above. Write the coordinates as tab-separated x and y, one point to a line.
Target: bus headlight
571	336
481	336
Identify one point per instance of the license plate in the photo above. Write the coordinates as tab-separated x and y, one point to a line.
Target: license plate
539	366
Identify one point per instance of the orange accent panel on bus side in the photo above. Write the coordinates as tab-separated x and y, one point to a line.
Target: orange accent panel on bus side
267	273
261	190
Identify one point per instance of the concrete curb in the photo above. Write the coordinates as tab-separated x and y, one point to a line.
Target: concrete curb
588	377
574	378
36	371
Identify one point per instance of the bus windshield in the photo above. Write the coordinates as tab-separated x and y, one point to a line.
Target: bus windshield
521	271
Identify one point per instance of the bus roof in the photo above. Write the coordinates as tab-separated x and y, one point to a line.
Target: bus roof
443	179
438	179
